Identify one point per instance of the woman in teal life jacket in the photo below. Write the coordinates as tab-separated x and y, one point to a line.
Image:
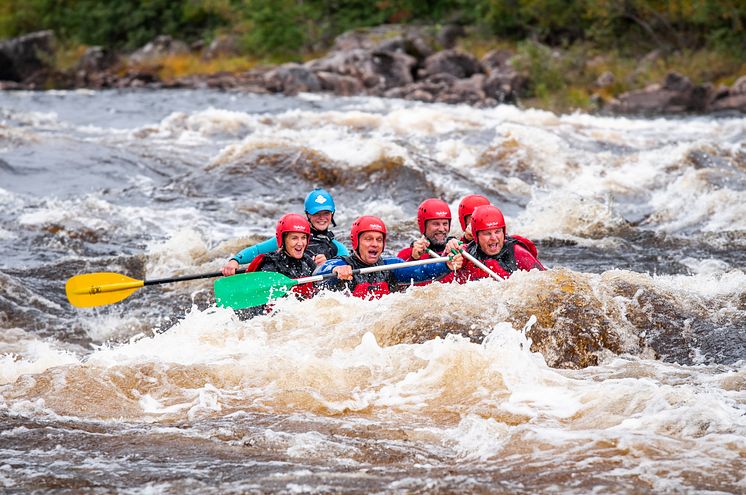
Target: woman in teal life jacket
322	245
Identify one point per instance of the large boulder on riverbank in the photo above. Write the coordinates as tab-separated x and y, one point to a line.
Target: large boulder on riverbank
292	79
676	94
456	63
154	51
416	41
376	70
731	99
23	57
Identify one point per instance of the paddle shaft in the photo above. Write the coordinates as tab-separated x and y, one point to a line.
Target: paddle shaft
187	277
481	265
97	289
371	269
473	260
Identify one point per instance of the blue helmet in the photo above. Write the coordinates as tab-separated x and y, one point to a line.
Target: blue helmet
319	200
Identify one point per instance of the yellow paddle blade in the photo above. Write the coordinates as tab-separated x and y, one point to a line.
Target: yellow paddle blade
99	289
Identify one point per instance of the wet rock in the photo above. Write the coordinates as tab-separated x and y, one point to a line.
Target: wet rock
374	69
250	81
7	71
415	47
504	86
677	82
136	80
339	84
91	69
427	90
354	40
388	37
677	94
445	88
453	62
292	79
95	58
223	45
464	91
22	57
731	99
496	60
157	49
393	69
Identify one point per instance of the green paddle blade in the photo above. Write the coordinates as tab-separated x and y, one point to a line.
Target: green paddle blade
251	289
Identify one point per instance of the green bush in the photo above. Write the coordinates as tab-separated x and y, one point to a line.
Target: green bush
114	23
288	28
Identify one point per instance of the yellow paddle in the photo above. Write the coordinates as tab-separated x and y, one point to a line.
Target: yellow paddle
98	289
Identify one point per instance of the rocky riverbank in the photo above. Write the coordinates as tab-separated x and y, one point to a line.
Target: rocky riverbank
409	62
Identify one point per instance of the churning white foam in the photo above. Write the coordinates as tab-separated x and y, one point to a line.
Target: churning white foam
37	356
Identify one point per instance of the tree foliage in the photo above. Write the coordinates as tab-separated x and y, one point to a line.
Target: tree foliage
287	27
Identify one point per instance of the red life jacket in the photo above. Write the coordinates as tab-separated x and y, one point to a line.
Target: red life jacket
528	244
304	291
523	260
470	271
255	263
406	254
367	290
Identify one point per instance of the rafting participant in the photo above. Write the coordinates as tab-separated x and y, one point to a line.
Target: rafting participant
319	208
291	259
434	222
368	238
466	208
491	246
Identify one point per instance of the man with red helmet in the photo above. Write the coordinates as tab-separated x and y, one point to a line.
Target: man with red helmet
465	209
368	238
291	259
434	222
499	252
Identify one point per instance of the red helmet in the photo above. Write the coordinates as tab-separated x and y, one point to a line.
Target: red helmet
291	222
485	218
430	209
366	223
467	205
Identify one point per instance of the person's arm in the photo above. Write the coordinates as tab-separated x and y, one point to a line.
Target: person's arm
341	249
419	273
248	254
328	267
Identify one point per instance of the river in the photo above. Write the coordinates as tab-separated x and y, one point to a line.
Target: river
620	369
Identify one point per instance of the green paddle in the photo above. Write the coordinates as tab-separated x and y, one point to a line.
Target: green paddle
256	288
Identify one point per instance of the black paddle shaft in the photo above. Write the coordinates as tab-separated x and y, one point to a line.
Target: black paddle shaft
187	277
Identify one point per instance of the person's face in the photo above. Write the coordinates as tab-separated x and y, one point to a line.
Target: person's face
491	241
437	230
295	244
370	247
321	220
467	219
